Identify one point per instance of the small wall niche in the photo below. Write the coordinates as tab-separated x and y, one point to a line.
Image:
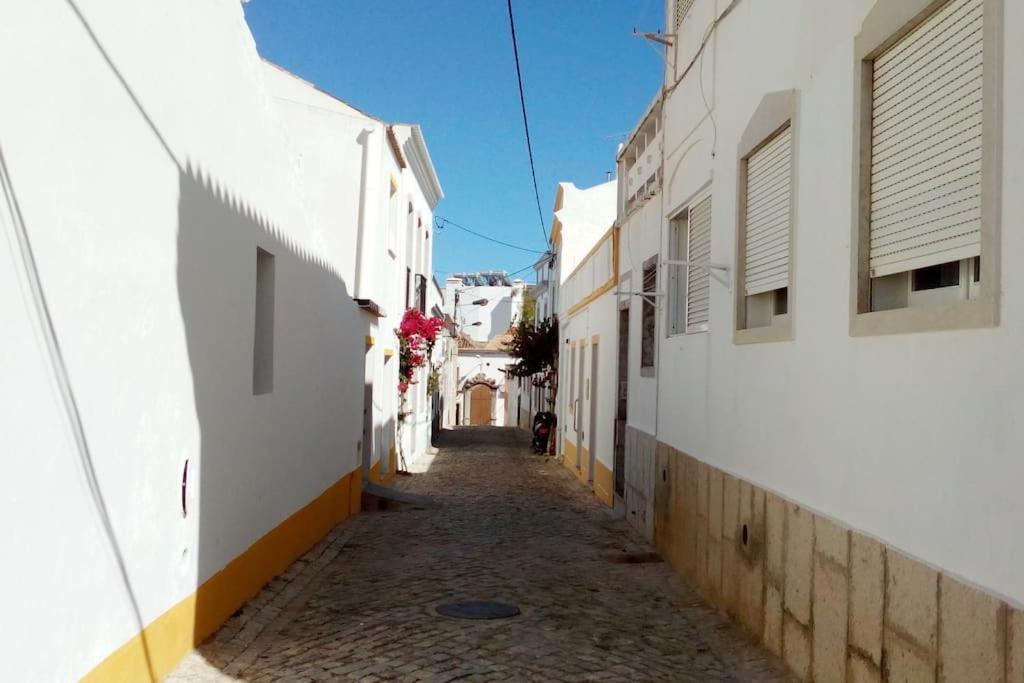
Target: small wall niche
263	341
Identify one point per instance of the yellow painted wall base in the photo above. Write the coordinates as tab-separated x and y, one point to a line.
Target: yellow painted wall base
375	473
153	653
604	480
569	456
604	484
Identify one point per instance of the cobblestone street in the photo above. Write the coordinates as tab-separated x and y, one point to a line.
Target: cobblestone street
507	526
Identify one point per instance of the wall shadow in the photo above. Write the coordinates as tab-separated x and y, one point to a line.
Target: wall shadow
272	473
501	317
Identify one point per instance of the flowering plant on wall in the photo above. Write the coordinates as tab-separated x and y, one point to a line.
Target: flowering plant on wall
416	336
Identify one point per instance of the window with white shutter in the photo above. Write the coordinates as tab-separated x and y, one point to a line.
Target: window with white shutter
766	261
926	143
698	254
925	247
680	9
676	275
767	230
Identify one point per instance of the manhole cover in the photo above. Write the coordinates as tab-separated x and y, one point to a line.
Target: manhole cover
477	609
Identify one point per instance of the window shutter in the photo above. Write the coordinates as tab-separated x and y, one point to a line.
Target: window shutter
698	248
681	8
926	143
769	174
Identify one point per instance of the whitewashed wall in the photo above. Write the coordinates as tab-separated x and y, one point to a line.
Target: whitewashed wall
598	319
912	438
489	364
148	160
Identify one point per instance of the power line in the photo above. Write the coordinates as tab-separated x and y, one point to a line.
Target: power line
526	123
443	222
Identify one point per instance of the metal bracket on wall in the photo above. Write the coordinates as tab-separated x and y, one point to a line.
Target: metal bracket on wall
718	271
645	295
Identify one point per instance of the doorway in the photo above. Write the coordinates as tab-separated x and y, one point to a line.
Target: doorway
367	426
621	405
481	404
594	355
580	396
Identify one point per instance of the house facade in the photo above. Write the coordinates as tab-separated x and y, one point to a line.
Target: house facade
185	323
814	268
585	246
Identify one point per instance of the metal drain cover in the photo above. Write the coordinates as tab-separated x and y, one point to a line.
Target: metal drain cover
477	609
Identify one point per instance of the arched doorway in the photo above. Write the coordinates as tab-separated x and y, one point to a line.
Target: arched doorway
481	404
479	395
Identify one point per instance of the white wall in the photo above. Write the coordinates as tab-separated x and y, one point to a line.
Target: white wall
598	319
148	158
504	304
639	240
473	362
913	438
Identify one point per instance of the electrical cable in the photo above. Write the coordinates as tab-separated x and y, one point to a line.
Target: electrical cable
440	223
526	124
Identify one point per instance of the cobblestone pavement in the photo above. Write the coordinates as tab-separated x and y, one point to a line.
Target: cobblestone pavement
508	526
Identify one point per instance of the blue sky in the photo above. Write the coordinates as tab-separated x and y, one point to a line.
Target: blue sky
448	65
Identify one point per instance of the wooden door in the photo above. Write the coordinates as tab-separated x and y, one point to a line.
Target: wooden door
481	399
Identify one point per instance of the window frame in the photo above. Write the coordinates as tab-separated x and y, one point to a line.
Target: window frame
885	25
393	211
649	370
675	291
683	214
776	111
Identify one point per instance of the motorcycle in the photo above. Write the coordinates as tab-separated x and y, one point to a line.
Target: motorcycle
543	426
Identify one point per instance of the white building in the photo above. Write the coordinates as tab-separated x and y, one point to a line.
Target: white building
822	329
585	245
185	321
484	305
358	172
482	384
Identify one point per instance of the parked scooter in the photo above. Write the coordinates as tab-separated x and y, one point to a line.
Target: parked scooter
543	426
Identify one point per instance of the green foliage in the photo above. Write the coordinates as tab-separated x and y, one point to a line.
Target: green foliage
529	307
535	348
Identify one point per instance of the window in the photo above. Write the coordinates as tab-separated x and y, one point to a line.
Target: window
927	189
676	274
680	10
572	382
648	315
393	218
263	339
421	294
766	234
698	273
408	287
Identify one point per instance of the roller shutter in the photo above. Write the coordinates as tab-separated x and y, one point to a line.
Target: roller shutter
926	143
769	192
698	249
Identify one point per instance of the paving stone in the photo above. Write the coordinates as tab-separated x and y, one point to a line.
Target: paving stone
510	526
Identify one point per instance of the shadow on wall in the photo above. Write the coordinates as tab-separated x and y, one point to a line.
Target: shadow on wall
274	342
501	316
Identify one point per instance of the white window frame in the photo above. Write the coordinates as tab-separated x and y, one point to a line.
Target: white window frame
683	271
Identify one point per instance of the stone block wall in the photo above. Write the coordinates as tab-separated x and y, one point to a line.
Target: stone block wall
639	498
833	604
